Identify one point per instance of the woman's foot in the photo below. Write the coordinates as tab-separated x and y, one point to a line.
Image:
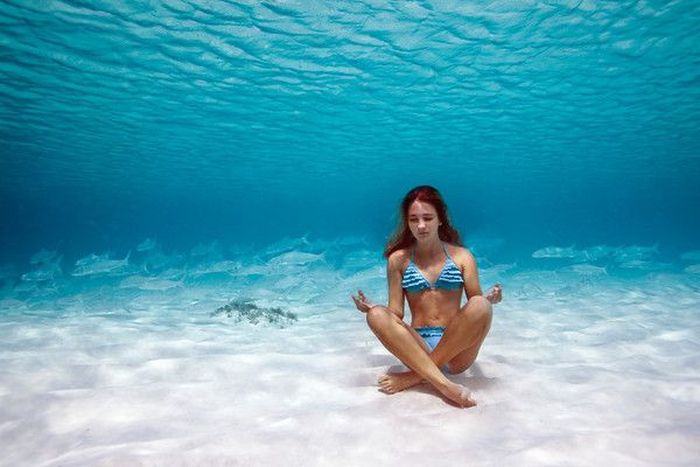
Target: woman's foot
392	383
457	394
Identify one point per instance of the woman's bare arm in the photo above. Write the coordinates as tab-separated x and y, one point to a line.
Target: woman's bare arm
470	274
396	296
394	277
472	287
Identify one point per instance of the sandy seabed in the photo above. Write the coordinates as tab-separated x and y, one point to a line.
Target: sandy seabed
581	366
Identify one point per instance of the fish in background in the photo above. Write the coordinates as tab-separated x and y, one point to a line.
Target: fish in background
212	250
91	259
621	255
485	246
361	259
557	252
43	256
153	261
150	283
46	267
635	253
286	245
640	258
157	262
45	273
219	267
644	265
586	269
147	245
593	253
94	264
598	252
295	258
497	269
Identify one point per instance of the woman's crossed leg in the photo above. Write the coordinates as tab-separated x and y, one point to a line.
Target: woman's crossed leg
457	349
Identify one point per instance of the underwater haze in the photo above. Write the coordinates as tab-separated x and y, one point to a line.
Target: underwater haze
191	190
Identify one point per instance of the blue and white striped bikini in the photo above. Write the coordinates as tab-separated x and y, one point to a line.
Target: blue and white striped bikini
450	277
413	281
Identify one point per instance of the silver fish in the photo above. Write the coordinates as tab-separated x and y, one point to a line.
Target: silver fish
102	266
47	272
586	269
42	257
635	253
149	283
91	259
556	252
295	258
146	245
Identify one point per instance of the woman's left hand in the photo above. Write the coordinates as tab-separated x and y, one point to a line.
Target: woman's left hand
362	302
495	295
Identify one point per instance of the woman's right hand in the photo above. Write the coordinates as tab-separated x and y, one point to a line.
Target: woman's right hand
495	295
362	302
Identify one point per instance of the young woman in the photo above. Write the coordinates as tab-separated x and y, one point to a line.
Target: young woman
429	268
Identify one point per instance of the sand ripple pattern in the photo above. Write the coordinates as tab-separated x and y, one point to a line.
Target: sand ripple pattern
119	367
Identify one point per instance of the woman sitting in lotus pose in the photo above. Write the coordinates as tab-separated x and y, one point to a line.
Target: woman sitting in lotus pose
429	267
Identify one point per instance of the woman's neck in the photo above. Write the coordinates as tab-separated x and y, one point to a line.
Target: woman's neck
428	250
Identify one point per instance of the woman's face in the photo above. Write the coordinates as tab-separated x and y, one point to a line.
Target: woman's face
423	221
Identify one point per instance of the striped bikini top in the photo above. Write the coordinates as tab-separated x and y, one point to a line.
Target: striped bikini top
450	277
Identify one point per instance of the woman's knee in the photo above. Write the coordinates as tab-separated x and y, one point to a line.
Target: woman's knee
378	316
480	308
461	368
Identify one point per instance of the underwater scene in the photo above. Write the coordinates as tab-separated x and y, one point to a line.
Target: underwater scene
191	191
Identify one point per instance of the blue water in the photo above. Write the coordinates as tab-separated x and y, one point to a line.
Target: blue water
190	191
567	123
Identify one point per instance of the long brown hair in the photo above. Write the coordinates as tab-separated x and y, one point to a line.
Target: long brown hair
402	236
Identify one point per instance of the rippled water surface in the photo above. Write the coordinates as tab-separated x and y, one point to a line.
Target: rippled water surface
190	190
220	119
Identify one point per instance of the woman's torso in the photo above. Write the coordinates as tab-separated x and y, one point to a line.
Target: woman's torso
433	289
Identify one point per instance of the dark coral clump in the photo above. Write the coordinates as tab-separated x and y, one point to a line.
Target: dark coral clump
245	310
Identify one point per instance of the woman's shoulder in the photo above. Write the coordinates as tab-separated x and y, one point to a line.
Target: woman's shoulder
399	258
459	253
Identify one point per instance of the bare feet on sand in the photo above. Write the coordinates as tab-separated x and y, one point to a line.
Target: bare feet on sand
394	382
457	394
